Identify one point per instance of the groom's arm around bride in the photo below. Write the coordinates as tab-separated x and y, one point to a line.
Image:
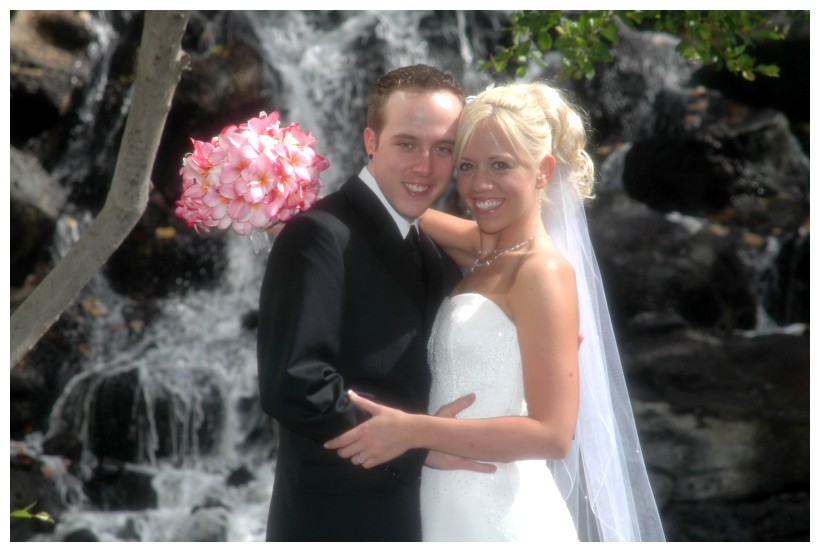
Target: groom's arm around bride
344	305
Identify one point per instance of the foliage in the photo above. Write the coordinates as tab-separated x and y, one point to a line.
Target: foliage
723	39
25	513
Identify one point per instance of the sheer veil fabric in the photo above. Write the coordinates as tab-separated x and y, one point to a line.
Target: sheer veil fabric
603	479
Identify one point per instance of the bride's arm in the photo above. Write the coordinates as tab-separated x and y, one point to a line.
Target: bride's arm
458	236
546	313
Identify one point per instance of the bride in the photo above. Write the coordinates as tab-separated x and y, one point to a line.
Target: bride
509	334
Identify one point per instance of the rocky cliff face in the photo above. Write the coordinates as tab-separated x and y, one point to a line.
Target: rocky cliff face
701	228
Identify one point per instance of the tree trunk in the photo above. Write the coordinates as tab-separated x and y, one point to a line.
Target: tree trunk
159	68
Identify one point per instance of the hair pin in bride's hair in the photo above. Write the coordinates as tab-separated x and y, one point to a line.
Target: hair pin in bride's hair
469	99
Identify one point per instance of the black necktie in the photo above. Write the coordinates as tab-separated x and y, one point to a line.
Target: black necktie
414	243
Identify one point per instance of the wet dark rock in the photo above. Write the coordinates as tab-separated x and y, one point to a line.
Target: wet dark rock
36	203
725	174
39	379
118	486
260	430
137	417
48	68
250	319
81	535
787	290
65	445
620	99
652	262
31	482
190	424
203	525
115	400
729	377
727	421
780	518
161	256
240	476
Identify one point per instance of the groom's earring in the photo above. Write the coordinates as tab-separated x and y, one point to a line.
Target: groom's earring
370	156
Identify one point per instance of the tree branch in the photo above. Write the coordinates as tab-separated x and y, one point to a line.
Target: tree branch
159	69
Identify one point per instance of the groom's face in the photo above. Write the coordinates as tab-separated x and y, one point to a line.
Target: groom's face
413	153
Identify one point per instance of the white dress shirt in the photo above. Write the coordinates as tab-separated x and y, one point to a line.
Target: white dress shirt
402	223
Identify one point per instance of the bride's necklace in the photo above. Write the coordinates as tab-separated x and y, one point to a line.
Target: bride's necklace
493	254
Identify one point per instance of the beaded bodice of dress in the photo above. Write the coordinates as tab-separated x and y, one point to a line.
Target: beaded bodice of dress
474	349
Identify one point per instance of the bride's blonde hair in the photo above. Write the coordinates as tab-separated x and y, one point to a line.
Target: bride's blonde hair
538	121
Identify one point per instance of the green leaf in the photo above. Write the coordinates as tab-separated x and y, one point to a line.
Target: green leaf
746	60
544	41
25	513
610	33
769	70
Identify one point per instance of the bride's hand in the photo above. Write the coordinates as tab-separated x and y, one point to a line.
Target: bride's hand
378	440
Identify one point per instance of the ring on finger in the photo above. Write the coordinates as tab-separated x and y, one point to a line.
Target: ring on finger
359	459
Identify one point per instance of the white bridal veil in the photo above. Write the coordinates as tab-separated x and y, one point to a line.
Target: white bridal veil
603	479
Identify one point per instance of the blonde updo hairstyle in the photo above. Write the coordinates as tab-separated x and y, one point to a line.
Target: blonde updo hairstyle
537	121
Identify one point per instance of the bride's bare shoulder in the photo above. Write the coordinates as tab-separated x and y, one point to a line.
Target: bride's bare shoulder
544	273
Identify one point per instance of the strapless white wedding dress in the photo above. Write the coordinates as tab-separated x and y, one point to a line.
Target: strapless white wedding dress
474	349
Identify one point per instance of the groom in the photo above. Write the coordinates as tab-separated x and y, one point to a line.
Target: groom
347	302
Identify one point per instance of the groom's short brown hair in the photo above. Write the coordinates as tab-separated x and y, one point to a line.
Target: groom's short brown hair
417	78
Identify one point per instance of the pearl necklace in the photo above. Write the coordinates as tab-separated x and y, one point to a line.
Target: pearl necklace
493	254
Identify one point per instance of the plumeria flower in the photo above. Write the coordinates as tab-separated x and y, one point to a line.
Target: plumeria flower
250	177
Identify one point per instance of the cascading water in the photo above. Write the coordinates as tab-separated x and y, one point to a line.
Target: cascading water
198	362
90	144
191	404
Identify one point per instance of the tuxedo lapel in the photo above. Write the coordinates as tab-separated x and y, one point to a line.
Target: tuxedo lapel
435	275
380	230
396	256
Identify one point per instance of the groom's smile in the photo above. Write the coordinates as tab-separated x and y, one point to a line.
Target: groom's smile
417	189
411	156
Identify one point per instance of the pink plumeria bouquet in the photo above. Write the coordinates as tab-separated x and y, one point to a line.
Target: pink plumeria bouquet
250	177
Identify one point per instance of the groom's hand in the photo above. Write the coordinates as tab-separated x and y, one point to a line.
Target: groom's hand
443	461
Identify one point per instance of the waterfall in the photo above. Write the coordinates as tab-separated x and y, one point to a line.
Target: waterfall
198	347
185	386
90	133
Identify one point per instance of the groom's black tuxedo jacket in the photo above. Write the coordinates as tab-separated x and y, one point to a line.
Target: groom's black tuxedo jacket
342	307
